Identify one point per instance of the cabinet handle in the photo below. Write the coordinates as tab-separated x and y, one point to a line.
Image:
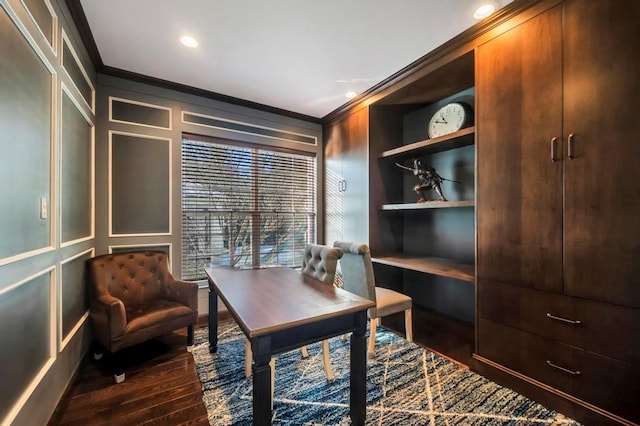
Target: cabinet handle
570	146
568	321
553	149
566	370
344	186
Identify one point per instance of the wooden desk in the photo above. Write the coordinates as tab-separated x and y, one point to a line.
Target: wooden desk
279	310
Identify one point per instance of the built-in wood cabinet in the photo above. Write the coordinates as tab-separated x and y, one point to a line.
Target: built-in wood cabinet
545	220
425	249
558	203
346	178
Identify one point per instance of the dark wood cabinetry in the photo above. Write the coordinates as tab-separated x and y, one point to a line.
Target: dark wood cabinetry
547	211
346	178
425	249
558	204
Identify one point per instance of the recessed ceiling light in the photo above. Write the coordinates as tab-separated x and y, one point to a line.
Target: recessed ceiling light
351	95
188	41
485	9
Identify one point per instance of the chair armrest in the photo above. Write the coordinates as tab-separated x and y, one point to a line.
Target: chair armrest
109	317
183	292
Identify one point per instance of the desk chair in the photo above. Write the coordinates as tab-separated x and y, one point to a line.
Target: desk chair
358	278
319	262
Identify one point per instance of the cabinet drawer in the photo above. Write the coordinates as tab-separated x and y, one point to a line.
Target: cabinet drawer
606	383
609	330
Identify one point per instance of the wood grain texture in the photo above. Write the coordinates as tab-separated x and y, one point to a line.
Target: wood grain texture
431	265
429	205
273	299
602	199
453	140
519	198
161	387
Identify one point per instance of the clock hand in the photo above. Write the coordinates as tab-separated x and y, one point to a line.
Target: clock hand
442	117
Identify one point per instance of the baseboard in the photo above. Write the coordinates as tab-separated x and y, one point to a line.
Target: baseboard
546	395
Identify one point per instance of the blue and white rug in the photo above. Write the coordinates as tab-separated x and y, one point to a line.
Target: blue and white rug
406	385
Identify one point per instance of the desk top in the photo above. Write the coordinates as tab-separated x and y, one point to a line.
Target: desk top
267	300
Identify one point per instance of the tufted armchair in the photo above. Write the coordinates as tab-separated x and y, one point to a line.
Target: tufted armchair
134	298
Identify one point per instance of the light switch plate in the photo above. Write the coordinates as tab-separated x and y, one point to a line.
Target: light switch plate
44	208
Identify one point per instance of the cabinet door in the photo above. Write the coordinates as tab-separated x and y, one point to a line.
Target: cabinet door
519	197
602	192
356	174
346	159
334	209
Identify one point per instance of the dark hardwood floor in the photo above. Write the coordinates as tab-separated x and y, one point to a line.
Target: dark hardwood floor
162	386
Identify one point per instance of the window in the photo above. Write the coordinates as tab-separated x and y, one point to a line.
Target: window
244	207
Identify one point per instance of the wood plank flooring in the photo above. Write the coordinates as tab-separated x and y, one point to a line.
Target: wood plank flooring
162	386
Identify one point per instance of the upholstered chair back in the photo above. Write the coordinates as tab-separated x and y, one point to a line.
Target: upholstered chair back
320	262
357	271
134	278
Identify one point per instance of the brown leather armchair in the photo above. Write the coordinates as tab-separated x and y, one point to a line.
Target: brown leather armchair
134	298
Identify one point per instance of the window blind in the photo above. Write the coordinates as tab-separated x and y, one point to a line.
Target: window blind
244	207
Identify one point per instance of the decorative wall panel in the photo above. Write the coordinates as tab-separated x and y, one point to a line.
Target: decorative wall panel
140	195
44	17
74	68
76	172
24	355
74	296
246	128
26	84
139	113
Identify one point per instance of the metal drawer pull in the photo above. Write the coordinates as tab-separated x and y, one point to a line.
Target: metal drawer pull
570	146
568	321
566	370
553	149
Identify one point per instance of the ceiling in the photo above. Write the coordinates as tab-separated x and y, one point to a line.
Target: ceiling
296	55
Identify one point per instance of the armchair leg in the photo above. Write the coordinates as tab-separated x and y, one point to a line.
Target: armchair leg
190	338
408	325
372	336
304	352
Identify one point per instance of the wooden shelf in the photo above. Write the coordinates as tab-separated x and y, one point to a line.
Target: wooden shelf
429	205
454	140
430	265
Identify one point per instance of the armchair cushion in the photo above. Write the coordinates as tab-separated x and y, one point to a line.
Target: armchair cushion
134	297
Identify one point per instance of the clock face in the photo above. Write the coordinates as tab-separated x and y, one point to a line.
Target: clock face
450	118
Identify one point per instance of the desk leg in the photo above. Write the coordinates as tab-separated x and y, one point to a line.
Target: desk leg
261	381
358	391
213	321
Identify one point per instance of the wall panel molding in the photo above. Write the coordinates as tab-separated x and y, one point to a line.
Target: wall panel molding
51	196
143	105
73	73
63	340
47	363
92	187
52	39
235	126
140	179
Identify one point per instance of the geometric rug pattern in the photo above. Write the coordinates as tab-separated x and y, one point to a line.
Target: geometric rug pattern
406	385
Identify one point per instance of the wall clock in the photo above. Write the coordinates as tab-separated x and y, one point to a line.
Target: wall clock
448	119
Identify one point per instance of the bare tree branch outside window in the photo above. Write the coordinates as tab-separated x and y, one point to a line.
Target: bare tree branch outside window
244	207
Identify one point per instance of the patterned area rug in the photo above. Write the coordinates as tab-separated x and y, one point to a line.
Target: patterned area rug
406	385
